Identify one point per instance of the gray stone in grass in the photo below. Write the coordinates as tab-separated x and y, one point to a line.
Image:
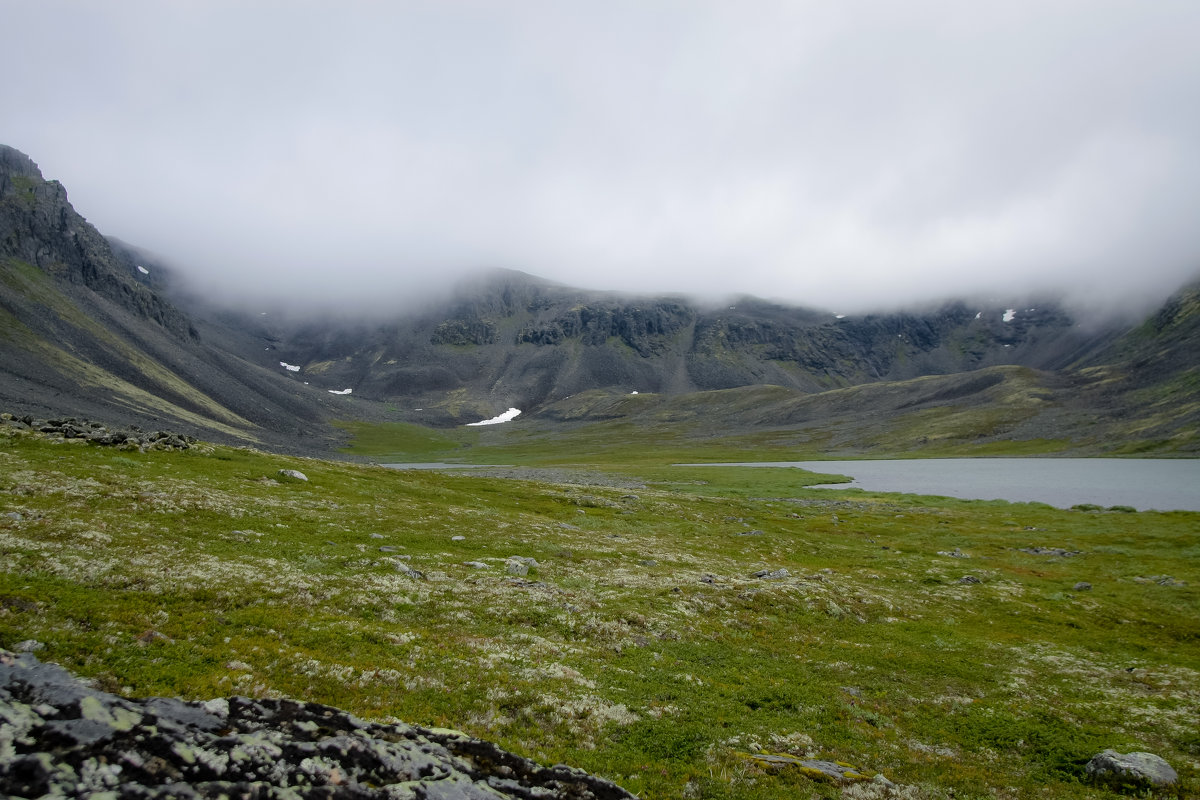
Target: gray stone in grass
969	579
476	564
773	575
518	568
294	474
1082	586
818	768
407	571
1050	551
1131	770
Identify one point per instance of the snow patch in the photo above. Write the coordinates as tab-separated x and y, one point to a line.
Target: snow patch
1010	315
289	367
634	391
839	316
343	391
978	315
505	417
143	270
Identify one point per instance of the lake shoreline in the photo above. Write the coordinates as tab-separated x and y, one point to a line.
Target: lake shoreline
1151	484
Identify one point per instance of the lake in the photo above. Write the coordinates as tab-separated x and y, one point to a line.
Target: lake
1143	483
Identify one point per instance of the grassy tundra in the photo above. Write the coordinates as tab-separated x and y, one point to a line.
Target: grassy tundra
658	625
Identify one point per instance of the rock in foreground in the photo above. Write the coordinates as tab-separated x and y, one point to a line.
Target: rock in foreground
59	738
1131	770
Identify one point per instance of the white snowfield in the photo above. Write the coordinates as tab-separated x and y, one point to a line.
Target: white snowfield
505	417
343	391
1010	315
289	367
143	270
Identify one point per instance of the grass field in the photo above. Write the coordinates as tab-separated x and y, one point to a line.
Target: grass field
672	622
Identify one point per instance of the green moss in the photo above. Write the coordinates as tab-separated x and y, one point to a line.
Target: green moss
644	648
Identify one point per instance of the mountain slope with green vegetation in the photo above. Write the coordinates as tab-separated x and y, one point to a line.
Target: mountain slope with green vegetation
94	327
85	332
630	618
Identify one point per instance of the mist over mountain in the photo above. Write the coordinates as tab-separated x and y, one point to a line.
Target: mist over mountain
863	156
93	326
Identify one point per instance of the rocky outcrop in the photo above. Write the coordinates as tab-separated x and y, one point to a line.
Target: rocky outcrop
39	227
132	438
60	738
85	329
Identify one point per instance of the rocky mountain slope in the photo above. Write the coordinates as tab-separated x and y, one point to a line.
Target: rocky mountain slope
512	340
96	327
84	333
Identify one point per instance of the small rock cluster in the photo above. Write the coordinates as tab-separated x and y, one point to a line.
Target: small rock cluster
132	438
60	738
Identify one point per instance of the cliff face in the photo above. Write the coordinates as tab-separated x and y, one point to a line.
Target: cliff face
84	332
512	340
39	227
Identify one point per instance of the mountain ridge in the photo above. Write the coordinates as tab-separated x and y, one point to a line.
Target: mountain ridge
97	326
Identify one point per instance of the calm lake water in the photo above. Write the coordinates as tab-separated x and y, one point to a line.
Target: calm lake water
1145	484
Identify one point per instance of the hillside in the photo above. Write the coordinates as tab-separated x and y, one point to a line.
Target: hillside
96	327
512	340
84	333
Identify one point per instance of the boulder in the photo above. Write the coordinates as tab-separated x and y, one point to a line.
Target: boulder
294	474
1135	771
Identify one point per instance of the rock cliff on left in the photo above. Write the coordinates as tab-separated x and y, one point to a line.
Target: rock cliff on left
83	331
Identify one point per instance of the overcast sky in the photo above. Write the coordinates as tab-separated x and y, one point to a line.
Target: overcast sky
834	153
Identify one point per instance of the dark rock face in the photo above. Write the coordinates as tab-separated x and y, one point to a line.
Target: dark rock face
83	330
59	738
512	340
39	227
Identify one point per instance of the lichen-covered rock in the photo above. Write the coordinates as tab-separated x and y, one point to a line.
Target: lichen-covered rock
60	738
1131	770
72	429
817	769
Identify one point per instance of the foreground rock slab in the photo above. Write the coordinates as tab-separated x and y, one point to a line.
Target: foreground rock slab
60	738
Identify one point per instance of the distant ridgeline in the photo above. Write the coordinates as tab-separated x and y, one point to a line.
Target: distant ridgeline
95	327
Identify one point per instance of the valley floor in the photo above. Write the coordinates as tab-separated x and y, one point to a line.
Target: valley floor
658	626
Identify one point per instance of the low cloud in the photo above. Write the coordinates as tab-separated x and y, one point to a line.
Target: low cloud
846	155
